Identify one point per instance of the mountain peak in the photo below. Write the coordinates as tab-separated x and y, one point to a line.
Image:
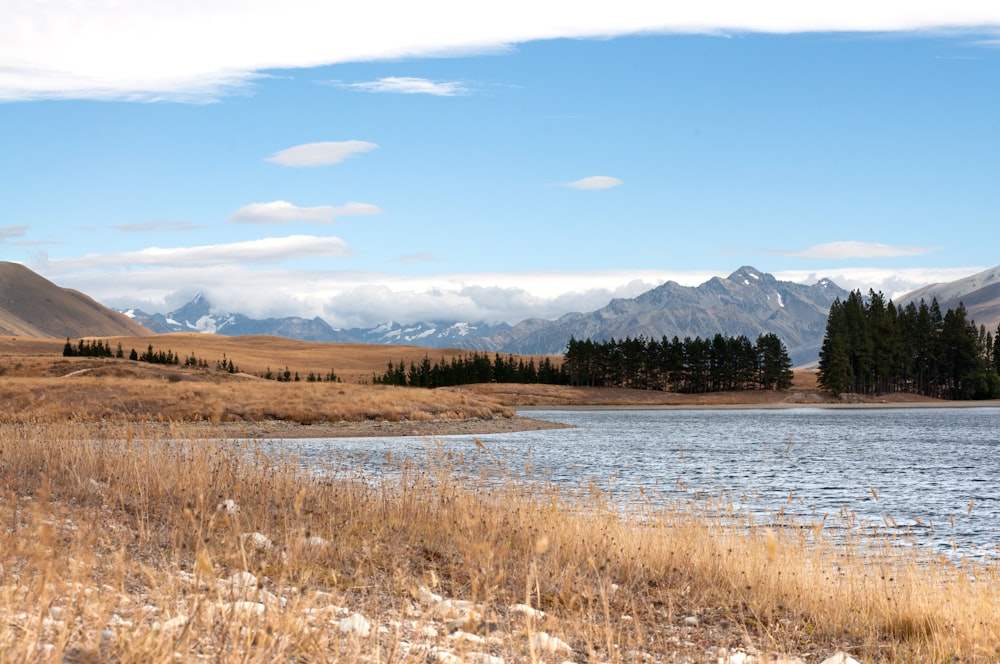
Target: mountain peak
747	275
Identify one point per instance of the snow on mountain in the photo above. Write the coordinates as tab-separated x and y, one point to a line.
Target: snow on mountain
747	302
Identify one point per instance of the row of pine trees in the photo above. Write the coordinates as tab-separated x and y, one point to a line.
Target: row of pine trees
873	347
472	368
689	365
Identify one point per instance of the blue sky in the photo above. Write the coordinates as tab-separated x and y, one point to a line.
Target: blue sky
524	162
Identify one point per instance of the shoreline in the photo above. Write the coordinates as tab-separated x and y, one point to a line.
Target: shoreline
290	430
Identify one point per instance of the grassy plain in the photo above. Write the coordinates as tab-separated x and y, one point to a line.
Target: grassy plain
172	542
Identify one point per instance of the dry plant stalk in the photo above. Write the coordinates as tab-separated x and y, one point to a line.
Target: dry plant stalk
144	549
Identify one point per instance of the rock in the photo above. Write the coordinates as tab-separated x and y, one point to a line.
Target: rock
228	506
315	541
840	658
242	610
239	583
258	541
427	598
465	637
355	624
527	611
482	658
550	644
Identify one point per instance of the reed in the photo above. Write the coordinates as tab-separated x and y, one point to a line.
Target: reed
145	548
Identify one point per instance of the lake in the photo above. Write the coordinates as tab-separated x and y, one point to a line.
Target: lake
927	474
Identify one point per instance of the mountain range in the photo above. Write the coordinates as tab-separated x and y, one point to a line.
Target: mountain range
747	302
980	293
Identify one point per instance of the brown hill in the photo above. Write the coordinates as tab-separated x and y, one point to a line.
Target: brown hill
32	306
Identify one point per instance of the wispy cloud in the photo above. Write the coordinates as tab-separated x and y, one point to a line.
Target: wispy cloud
262	251
320	154
8	232
283	212
853	249
425	257
595	182
71	49
157	226
410	86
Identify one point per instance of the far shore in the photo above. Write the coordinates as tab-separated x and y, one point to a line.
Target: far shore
290	430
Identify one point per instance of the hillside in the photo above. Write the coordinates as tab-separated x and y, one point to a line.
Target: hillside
748	303
980	293
33	306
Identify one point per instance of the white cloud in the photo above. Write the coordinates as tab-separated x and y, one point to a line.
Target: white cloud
892	282
423	257
854	249
71	49
283	212
595	182
265	250
364	299
153	226
411	86
7	232
320	154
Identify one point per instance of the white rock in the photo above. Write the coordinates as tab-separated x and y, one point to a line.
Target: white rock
239	583
242	609
527	611
483	658
316	542
117	621
259	541
57	613
427	598
355	624
443	656
737	658
692	621
228	506
840	658
466	637
551	644
427	631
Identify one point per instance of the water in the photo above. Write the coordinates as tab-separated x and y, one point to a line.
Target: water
926	475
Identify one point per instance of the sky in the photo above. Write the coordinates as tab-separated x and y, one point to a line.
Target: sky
492	161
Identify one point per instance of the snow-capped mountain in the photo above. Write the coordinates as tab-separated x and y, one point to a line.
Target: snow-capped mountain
198	315
747	302
979	293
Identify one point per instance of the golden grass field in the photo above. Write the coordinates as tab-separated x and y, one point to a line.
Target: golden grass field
179	543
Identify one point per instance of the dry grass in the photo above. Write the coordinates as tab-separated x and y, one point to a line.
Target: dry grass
125	551
86	398
353	363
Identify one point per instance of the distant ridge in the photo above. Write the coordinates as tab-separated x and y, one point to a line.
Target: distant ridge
748	303
32	306
980	293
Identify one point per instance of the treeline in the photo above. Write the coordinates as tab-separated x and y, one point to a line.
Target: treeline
472	368
100	348
689	366
873	347
287	376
